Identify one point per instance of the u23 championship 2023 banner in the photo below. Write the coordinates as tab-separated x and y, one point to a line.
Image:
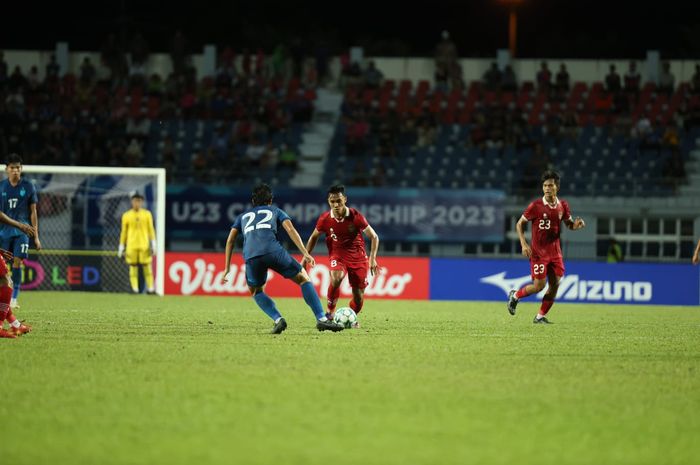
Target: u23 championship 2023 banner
200	274
396	214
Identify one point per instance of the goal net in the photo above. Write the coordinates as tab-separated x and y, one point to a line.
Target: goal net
79	212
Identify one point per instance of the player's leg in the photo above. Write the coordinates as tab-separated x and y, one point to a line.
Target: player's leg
20	246
5	296
337	272
20	249
555	270
357	275
132	259
291	269
146	259
256	276
538	272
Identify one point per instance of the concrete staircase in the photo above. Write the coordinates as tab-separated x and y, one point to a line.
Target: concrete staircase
316	140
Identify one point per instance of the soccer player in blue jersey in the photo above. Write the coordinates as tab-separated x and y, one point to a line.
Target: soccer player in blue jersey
19	200
262	251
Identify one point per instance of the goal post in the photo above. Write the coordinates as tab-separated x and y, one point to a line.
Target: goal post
79	212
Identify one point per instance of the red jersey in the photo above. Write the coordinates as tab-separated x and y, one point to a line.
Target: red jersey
546	226
344	235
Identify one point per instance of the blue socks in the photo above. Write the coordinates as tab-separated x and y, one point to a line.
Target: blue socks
312	300
267	305
17	281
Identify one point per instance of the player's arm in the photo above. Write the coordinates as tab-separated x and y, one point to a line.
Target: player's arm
230	242
574	224
374	247
311	243
151	234
696	255
296	238
34	218
520	228
25	228
122	235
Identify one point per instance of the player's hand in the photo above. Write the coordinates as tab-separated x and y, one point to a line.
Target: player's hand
579	223
224	277
26	229
37	243
6	254
696	258
373	266
308	259
527	251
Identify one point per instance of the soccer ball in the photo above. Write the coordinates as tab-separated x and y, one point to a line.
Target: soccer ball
345	316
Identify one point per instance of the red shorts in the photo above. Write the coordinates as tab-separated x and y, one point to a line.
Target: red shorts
3	268
356	271
541	267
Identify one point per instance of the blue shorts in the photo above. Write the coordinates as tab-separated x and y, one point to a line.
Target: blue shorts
18	245
281	262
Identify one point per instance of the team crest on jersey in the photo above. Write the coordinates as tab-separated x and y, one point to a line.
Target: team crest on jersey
22	192
545	215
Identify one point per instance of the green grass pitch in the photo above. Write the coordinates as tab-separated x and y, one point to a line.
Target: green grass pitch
107	379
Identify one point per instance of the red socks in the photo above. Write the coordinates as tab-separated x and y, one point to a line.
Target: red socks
521	293
546	305
333	294
357	308
5	312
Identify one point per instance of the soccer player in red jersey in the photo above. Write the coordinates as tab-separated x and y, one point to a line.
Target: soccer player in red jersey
343	227
17	328
546	263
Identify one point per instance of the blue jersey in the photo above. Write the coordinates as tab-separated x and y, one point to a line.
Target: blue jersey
15	202
259	227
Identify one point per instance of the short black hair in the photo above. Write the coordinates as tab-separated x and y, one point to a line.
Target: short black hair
337	189
13	159
136	195
551	174
262	195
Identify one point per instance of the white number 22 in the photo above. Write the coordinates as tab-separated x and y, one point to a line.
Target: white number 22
262	224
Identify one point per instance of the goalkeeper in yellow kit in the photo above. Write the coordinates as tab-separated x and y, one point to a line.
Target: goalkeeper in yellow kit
138	239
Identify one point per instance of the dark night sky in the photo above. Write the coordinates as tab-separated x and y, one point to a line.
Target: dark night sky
547	28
